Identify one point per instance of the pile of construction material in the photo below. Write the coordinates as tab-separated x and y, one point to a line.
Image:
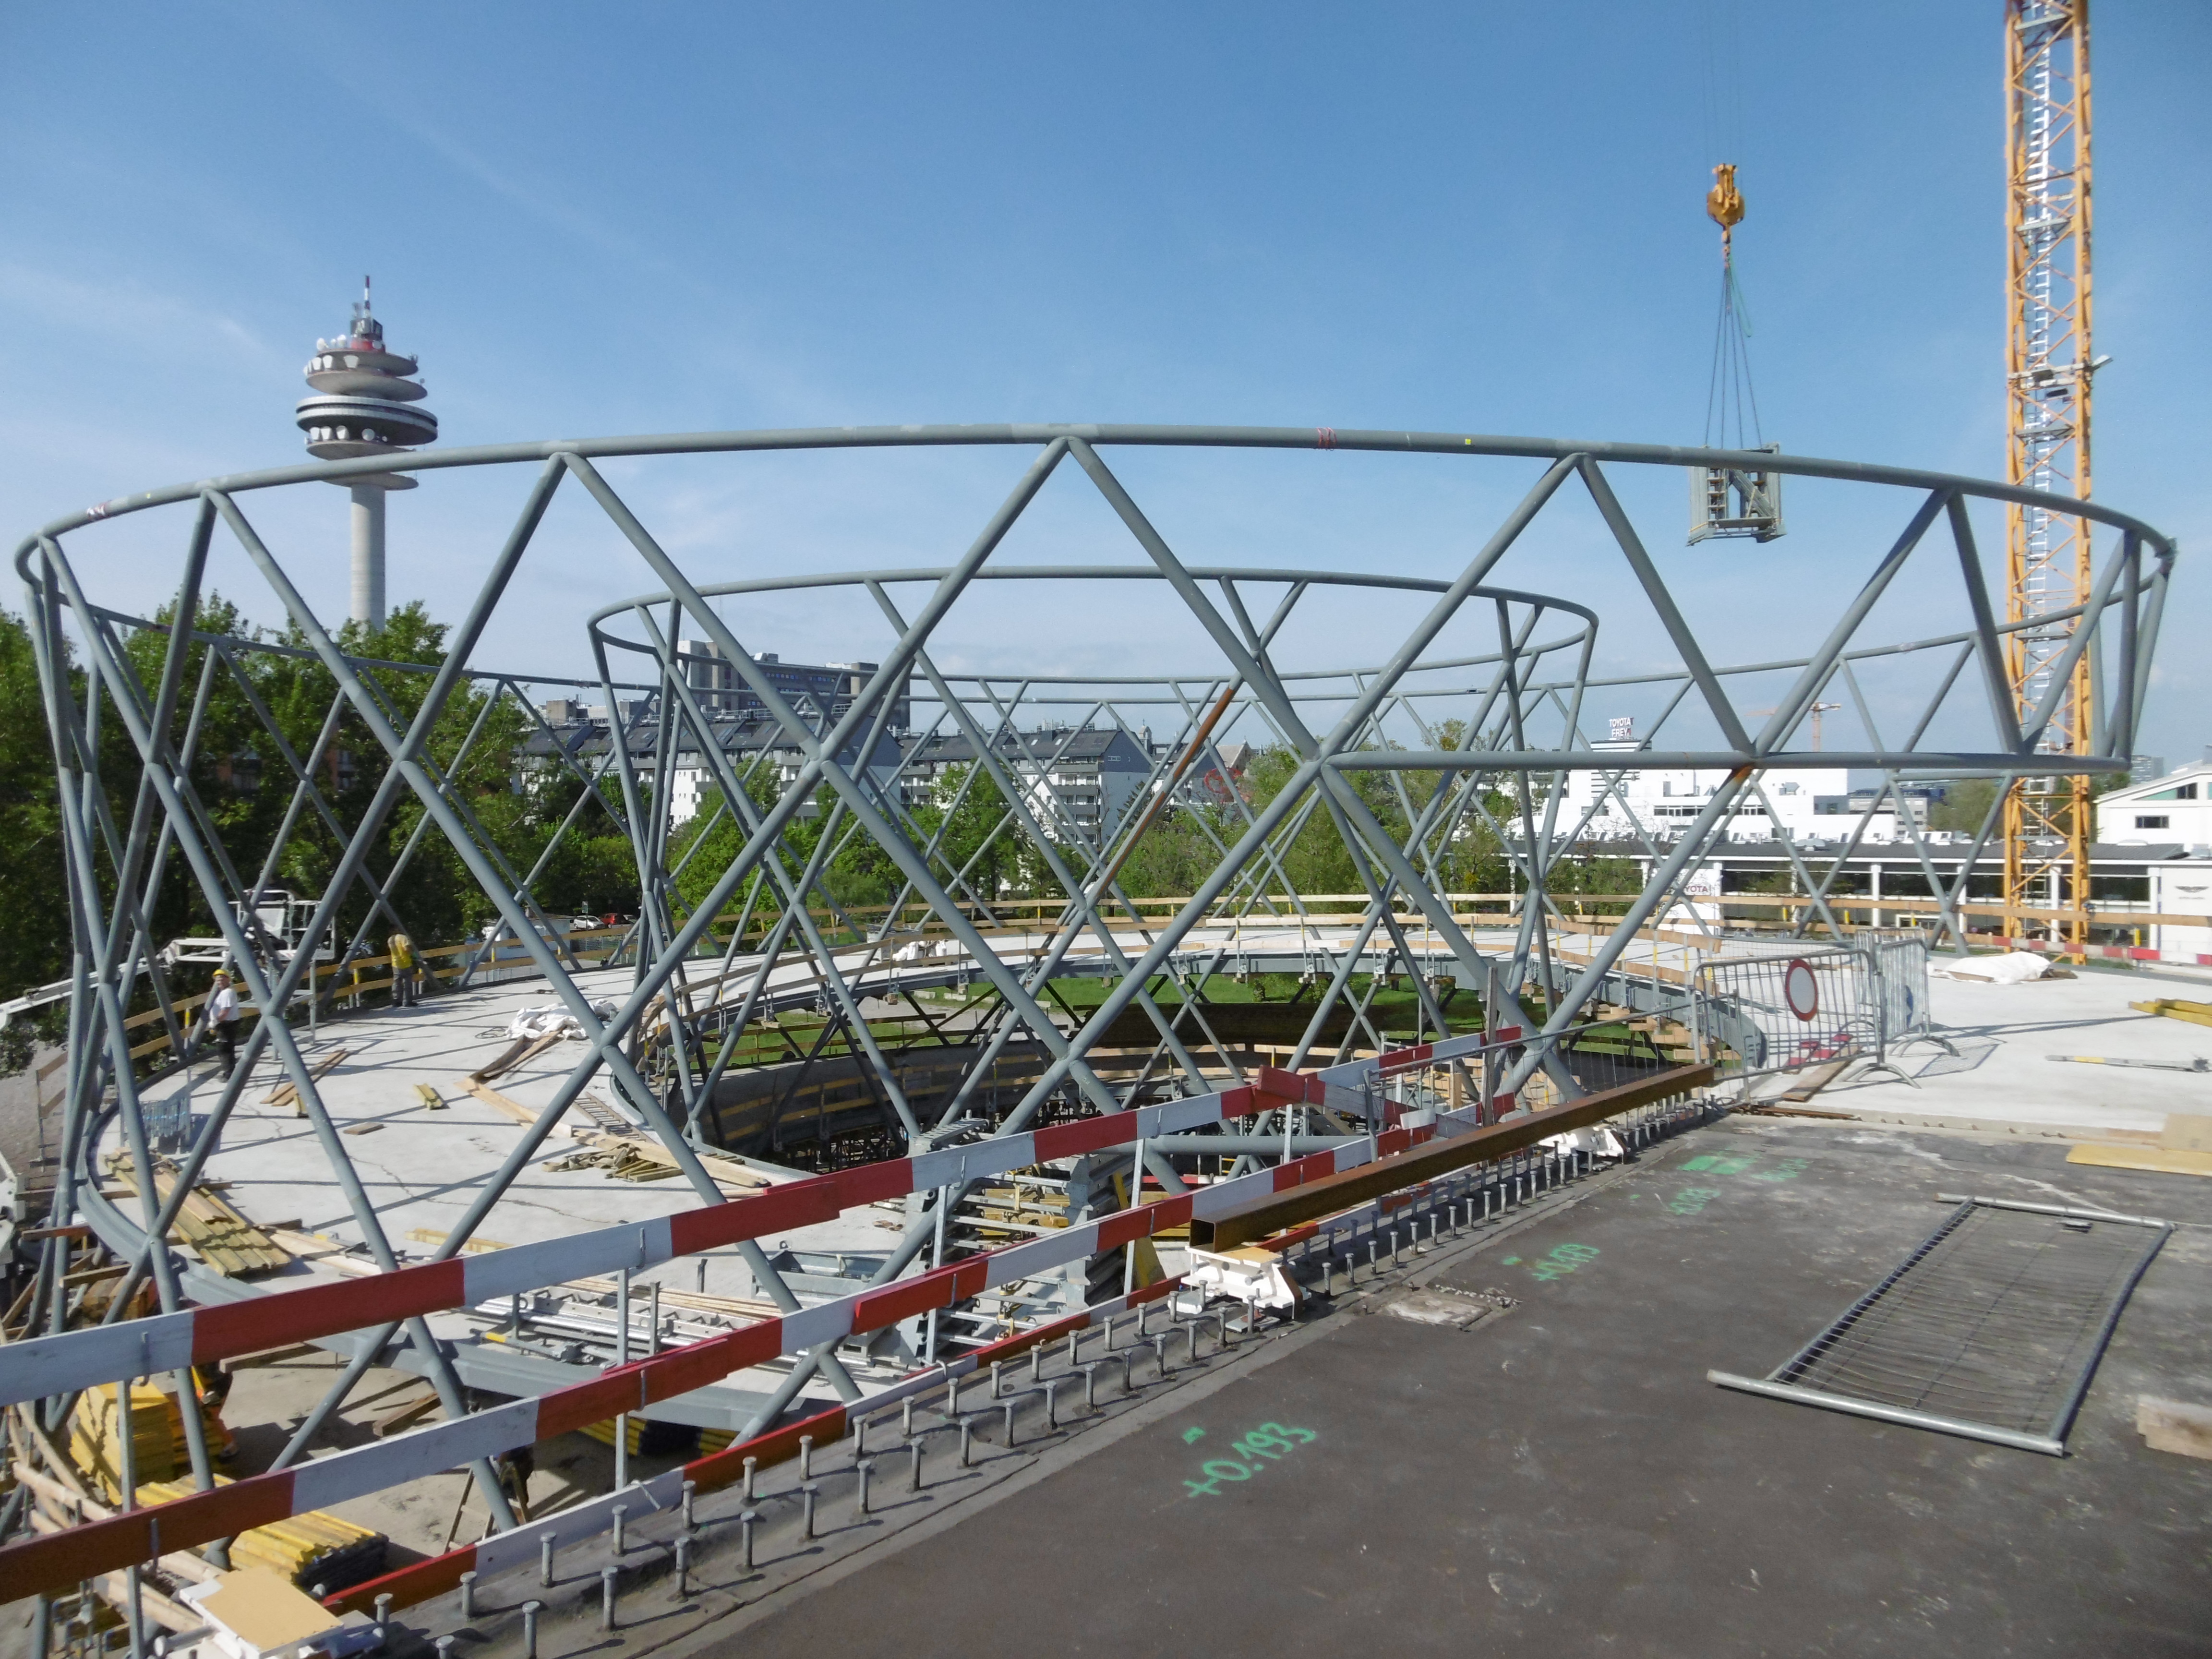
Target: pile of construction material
210	1228
317	1548
158	1451
253	1614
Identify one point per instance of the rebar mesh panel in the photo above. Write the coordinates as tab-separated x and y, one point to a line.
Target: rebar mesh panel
1996	1320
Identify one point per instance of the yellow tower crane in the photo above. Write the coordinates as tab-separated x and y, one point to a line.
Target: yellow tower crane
2048	368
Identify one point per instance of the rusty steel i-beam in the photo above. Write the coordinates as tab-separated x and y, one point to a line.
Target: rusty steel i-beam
1335	1193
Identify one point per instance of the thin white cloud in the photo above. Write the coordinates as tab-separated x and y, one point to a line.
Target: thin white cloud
543	203
129	314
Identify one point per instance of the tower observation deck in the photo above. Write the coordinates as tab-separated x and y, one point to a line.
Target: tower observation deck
365	404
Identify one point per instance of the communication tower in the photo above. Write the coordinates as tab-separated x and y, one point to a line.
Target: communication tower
364	405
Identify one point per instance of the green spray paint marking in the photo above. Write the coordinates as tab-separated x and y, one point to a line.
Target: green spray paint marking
1563	1261
1788	1169
1719	1163
1192	1436
1691	1200
1727	1164
1271	1442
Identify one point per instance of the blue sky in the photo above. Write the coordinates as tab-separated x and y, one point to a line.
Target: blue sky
1468	218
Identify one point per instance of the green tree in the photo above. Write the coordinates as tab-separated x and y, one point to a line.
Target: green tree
1964	806
34	921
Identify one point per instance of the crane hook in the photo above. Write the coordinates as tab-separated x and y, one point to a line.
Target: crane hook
1725	202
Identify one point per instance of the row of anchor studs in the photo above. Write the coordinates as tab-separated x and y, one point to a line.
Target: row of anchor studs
1503	1189
610	1575
809	1490
1459	1209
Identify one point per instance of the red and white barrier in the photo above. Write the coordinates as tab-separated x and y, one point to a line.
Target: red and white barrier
49	1365
59	1559
510	1551
2110	952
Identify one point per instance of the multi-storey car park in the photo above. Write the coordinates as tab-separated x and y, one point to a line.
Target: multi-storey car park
797	1192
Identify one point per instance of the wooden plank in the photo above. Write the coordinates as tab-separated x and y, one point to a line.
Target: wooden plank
304	1246
1815	1078
498	1102
502	1061
2094	917
1665	936
432	1100
469	1247
725	1173
1632	970
2168	1425
2196	1013
406	1413
2159	1160
349	1267
225	1240
2184	1132
17	1309
284	1091
515	1059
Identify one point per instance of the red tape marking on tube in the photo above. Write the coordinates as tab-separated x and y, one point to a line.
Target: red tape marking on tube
1086	1134
800	1204
904	1300
777	1446
94	1547
893	1178
679	1371
609	1394
410	1584
234	1327
1116	1229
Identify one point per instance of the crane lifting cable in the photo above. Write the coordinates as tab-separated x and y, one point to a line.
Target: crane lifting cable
1732	500
1728	395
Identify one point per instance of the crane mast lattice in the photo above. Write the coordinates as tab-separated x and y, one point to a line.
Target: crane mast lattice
2048	367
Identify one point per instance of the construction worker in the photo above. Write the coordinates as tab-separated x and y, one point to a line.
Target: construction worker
219	1019
515	1468
212	1384
406	971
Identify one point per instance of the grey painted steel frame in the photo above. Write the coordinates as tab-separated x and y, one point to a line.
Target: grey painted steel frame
1386	868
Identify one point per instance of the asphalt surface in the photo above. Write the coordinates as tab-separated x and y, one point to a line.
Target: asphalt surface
1561	1474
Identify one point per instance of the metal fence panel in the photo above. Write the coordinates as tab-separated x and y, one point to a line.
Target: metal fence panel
1899	963
1992	1328
1785	1013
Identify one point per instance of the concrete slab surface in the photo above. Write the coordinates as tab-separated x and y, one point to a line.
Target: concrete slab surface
2002	1074
1560	1476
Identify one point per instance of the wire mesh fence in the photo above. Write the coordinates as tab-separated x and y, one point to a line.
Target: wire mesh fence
1899	961
1864	1000
1785	1013
1991	1329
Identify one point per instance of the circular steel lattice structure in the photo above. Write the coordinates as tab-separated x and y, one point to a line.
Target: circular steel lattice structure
1077	997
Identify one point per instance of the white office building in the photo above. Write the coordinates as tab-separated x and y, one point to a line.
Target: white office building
1636	804
2174	809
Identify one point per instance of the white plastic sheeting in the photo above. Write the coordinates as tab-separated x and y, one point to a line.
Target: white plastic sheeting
2014	968
553	1020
